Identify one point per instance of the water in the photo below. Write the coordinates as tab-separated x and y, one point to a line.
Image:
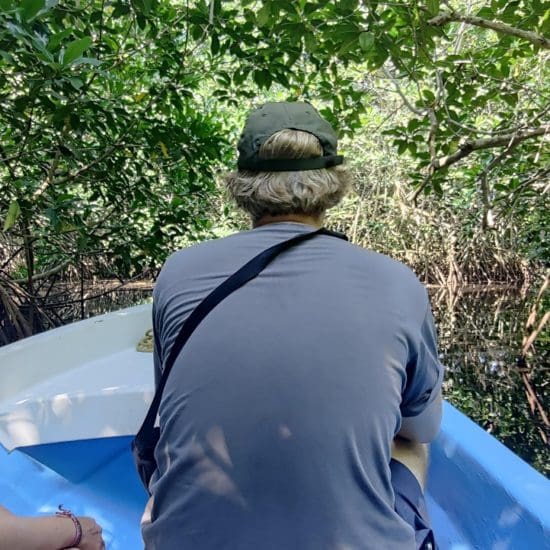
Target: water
480	340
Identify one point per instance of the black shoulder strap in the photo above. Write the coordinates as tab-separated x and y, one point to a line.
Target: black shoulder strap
246	273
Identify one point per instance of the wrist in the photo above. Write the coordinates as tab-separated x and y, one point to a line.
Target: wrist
77	534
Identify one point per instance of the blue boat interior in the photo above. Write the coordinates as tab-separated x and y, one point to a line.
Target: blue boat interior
480	495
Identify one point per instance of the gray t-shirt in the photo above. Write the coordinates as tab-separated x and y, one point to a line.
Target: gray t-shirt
278	416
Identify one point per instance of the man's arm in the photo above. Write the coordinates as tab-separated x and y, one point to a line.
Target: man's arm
423	427
421	406
414	456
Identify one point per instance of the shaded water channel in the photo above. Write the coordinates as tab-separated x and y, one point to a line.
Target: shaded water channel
480	340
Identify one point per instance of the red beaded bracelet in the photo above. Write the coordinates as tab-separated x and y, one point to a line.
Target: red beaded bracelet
63	512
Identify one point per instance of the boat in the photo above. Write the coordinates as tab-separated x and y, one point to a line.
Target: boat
72	398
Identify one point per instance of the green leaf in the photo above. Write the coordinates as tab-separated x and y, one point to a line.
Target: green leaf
215	44
75	49
486	13
141	21
57	38
366	41
76	83
432	6
96	16
196	31
262	78
511	99
281	78
401	145
29	8
347	46
13	211
43	53
240	76
310	8
264	15
413	124
7	57
143	5
121	9
6	5
348	5
382	53
87	61
310	42
428	95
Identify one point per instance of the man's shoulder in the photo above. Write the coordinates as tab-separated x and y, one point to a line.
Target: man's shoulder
201	256
204	248
380	264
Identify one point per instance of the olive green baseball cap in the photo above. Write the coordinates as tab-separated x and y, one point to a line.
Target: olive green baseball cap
272	117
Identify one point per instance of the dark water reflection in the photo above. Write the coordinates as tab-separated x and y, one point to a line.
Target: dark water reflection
480	340
111	301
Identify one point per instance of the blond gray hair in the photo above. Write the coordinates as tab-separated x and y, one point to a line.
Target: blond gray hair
307	192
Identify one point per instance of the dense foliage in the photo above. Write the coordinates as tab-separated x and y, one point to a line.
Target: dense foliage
115	114
104	149
108	143
106	153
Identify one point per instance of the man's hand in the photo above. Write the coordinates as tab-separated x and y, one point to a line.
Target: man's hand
413	455
424	427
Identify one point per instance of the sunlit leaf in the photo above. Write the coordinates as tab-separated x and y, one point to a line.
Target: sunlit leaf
86	61
164	150
215	44
7	5
366	41
56	39
432	6
264	15
13	211
75	49
30	8
76	82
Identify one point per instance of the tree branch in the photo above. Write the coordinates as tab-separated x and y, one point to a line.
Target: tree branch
19	322
509	140
407	103
497	26
86	167
488	218
45	274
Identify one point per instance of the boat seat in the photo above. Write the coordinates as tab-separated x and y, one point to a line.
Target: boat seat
94	392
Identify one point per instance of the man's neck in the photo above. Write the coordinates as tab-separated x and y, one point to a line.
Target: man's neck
315	221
